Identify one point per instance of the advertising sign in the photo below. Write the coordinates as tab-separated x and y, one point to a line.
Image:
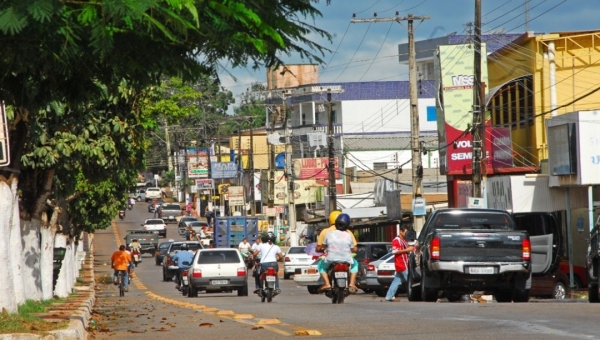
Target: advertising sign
4	149
456	109
236	195
314	168
197	163
502	151
419	206
223	170
305	191
204	184
498	193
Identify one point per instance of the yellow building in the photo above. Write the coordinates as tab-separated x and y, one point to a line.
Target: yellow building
260	149
536	77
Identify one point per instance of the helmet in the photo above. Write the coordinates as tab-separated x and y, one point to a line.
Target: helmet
333	215
342	222
134	240
267	238
184	246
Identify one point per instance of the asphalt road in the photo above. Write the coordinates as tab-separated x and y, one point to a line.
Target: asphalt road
153	309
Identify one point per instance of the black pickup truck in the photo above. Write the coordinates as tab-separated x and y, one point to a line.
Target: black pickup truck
460	251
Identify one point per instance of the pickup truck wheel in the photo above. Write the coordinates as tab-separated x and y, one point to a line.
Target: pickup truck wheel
453	297
593	293
428	294
166	277
521	295
413	294
286	276
559	291
503	295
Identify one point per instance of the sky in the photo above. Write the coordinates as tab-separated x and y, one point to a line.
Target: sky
368	51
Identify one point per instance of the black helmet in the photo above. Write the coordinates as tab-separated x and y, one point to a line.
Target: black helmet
267	238
342	222
184	246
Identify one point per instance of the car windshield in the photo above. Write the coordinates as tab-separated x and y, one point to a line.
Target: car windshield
218	256
154	222
296	250
198	224
171	207
188	218
164	245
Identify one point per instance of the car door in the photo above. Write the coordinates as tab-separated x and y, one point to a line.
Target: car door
546	240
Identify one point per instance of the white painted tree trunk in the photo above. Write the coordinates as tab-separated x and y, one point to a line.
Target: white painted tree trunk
8	202
71	265
16	248
32	279
61	288
47	262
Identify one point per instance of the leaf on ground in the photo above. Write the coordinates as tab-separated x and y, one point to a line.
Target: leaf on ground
221	320
164	319
162	329
132	331
258	327
206	324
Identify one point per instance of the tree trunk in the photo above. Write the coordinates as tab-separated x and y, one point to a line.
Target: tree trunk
61	289
8	202
32	281
47	262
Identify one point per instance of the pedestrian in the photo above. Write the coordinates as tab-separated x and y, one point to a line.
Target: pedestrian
209	215
400	249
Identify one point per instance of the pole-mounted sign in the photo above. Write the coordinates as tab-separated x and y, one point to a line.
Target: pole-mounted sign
4	146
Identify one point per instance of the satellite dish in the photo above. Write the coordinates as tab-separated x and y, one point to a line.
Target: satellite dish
280	161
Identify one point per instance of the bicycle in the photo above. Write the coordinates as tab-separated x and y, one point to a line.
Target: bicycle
120	274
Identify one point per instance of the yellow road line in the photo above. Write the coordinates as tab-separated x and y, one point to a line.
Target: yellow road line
224	314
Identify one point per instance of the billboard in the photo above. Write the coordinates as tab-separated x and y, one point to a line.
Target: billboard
314	168
305	191
197	162
223	170
202	184
455	107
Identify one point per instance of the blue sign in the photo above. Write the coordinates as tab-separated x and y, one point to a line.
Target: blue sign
419	206
223	170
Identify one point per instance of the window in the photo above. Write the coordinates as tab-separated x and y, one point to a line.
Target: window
304	119
296	250
214	257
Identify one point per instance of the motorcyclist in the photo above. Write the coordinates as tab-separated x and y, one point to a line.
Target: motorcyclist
244	247
136	247
131	201
183	255
255	248
340	246
270	253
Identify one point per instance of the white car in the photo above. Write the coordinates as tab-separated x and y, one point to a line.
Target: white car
295	258
309	276
138	195
156	226
370	282
218	270
152	193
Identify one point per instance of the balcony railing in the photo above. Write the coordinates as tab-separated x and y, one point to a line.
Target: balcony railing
304	129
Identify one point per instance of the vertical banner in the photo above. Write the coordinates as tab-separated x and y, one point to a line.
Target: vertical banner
4	147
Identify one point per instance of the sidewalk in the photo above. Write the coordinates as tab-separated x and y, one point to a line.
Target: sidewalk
76	309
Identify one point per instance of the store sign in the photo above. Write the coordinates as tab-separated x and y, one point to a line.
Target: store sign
4	145
419	206
204	184
315	168
223	170
236	195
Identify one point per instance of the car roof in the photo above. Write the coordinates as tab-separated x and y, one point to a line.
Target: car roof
153	189
198	222
154	220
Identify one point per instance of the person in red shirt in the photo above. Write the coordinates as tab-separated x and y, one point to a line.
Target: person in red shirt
400	248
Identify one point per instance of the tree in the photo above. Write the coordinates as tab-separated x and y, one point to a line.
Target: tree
74	70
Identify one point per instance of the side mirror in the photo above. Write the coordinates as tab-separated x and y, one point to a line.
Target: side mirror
580	224
410	235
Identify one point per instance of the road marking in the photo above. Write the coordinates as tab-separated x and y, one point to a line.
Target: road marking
246	319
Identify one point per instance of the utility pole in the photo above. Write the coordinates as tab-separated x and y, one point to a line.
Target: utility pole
271	186
478	107
330	150
251	166
417	166
289	172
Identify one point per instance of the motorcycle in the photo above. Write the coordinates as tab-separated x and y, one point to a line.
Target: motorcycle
184	286
267	284
136	257
339	274
122	214
130	206
248	260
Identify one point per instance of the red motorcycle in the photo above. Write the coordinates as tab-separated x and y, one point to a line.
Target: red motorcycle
339	274
135	254
267	284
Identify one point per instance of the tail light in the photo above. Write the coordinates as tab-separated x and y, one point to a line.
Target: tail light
434	250
241	271
370	268
168	261
184	273
367	261
315	257
287	259
197	273
340	267
526	249
271	271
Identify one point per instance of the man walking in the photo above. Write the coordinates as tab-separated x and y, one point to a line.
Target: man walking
400	249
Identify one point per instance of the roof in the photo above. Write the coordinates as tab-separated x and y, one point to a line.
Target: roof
387	141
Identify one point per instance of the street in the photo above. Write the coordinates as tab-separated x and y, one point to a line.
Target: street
153	309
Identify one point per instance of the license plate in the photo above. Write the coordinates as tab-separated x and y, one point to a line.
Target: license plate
271	278
155	232
219	282
311	271
302	260
339	275
481	270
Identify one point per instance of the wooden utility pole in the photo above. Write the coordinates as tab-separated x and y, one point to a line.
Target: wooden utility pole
417	166
331	154
478	108
289	173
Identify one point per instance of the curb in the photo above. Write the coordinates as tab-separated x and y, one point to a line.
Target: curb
79	318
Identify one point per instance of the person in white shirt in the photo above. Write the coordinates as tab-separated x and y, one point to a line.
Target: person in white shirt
270	253
245	247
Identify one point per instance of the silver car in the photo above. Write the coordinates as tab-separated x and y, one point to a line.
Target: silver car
218	270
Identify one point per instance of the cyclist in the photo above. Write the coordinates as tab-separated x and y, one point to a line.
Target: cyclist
121	261
183	255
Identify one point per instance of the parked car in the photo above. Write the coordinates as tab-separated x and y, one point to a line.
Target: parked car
156	226
309	276
218	270
161	251
554	286
139	194
369	280
183	223
369	252
169	269
579	275
294	258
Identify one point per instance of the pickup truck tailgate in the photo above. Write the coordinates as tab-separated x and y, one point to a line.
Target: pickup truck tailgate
480	245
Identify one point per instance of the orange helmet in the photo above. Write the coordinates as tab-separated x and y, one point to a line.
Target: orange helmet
333	215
